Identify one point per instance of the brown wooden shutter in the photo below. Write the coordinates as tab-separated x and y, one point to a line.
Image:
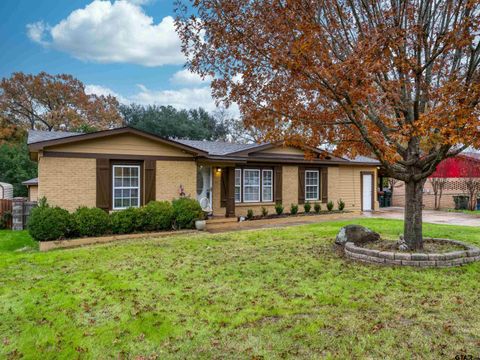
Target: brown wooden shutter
230	211
150	170
277	184
301	184
324	185
223	188
103	184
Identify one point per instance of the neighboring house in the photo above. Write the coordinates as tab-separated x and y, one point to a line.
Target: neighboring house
6	191
454	171
32	186
118	168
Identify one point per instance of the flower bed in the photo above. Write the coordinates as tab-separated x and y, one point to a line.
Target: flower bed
469	254
275	216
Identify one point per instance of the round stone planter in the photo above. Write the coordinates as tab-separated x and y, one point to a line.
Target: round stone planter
454	258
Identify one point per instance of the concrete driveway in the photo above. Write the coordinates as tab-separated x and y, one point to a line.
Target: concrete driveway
429	216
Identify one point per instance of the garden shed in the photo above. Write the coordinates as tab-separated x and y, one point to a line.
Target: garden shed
6	191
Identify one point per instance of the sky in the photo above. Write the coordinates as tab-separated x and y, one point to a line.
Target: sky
127	48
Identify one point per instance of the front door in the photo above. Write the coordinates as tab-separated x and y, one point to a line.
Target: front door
204	187
367	191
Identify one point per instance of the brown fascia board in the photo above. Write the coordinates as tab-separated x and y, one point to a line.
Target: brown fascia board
104	133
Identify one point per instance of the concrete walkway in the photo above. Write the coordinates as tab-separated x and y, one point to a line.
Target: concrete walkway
429	216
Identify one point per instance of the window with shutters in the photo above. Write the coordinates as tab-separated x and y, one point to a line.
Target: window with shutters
267	185
312	181
254	185
126	186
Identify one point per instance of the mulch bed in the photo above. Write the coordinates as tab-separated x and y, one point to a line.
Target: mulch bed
429	246
312	213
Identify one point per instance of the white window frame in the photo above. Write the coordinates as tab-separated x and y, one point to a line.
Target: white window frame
125	187
317	185
239	186
259	186
267	186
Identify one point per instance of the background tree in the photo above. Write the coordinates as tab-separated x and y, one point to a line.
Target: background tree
53	102
438	183
16	166
471	182
166	121
397	79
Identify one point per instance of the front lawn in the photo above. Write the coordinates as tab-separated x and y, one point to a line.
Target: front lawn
274	293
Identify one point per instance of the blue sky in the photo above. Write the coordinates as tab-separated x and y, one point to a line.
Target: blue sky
125	47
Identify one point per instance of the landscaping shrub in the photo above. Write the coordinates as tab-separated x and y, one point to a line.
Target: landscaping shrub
307	207
157	215
279	208
50	223
249	214
330	205
91	221
341	204
6	216
186	211
264	211
126	221
317	208
293	209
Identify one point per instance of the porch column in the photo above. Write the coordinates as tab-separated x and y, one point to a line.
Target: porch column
230	212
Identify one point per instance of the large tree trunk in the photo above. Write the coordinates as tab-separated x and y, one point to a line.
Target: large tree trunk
413	214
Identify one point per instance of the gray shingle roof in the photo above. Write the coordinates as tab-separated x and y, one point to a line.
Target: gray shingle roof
35	136
33	181
363	159
216	148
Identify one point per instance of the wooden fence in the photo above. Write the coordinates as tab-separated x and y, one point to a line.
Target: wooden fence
6	212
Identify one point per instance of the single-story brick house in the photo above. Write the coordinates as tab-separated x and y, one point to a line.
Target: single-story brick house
114	169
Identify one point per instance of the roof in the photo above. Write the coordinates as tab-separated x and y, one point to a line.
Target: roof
215	150
33	181
35	136
472	155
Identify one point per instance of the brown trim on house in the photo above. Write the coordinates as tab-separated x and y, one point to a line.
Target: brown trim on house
230	211
104	133
63	154
150	180
361	188
103	184
324	184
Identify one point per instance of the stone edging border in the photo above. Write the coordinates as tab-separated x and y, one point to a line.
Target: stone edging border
71	243
454	258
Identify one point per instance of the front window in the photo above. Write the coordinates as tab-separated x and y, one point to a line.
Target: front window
238	185
126	186
251	185
311	184
267	185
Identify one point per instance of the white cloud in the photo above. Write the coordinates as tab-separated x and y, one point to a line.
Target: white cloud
118	32
36	31
105	91
186	77
185	98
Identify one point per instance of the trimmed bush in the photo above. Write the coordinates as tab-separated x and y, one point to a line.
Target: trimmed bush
330	205
279	208
126	221
186	211
249	214
91	221
157	215
50	223
307	207
264	211
293	209
341	204
317	207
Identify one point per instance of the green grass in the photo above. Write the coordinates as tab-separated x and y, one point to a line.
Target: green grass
471	212
16	241
274	293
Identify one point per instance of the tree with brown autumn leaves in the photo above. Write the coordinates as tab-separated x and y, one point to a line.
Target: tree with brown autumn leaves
395	79
52	102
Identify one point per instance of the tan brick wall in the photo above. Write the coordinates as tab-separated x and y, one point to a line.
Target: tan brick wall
171	174
344	182
33	193
289	186
68	183
454	187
